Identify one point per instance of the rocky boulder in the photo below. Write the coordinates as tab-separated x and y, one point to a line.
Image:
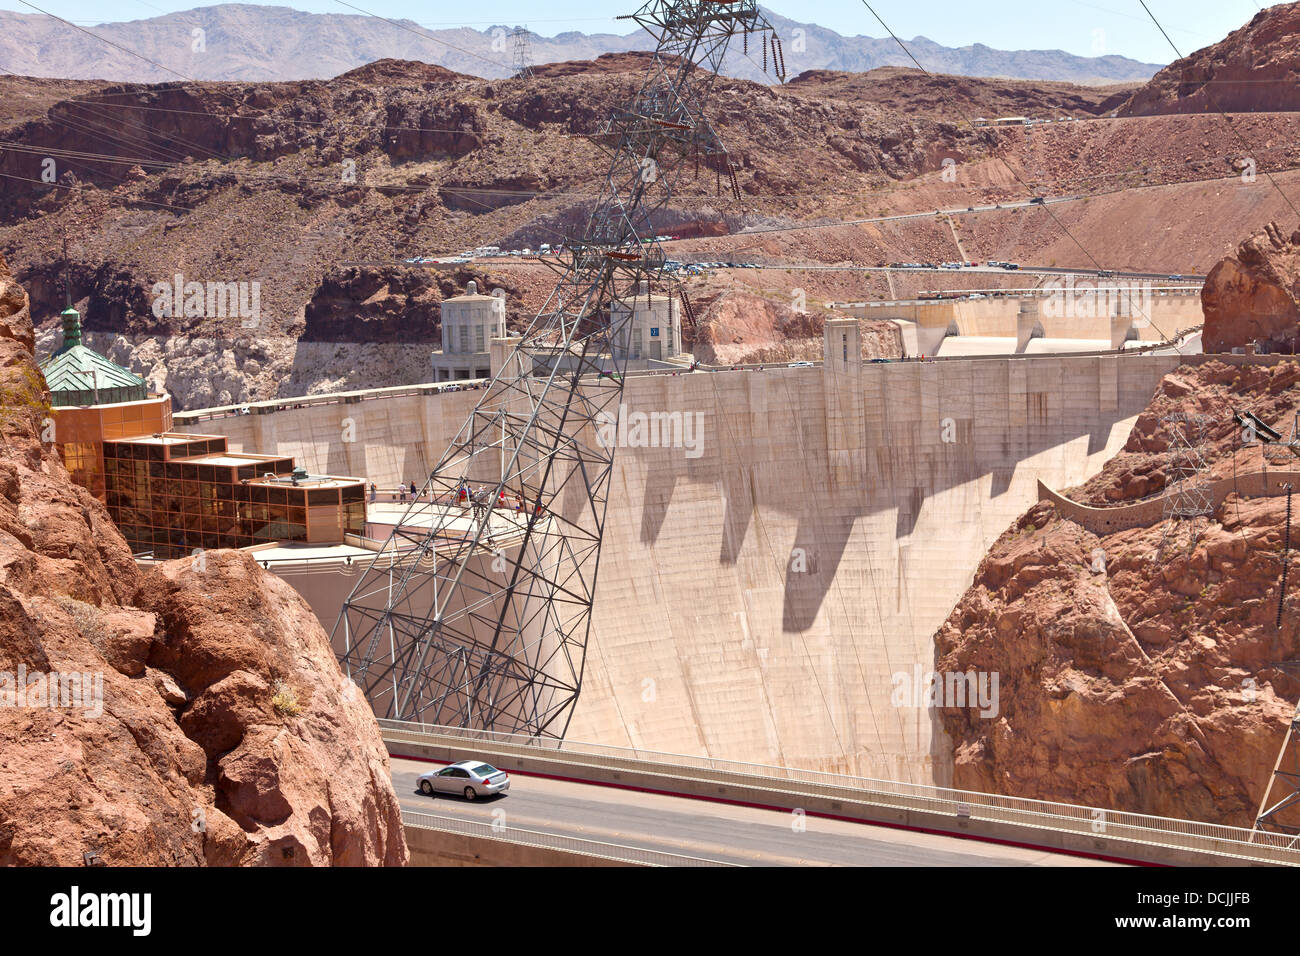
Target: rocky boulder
193	715
1252	296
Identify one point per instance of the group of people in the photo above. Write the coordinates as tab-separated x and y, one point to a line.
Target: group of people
403	491
481	498
478	499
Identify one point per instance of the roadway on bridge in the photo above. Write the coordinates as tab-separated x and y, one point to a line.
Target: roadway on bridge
716	831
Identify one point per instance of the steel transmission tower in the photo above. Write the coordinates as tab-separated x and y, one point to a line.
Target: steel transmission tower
475	615
1187	484
523	52
1279	807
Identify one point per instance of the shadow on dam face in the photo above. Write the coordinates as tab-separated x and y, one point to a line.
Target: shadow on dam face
846	457
758	592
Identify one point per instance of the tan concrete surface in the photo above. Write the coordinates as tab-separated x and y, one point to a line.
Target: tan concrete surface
756	601
712	830
996	326
437	848
1256	484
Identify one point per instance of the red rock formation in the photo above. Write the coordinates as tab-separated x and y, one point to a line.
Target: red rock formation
1253	69
1132	682
1252	297
396	304
741	327
214	727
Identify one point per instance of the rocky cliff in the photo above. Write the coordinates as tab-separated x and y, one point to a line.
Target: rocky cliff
739	327
191	715
314	191
1139	672
1251	297
1253	69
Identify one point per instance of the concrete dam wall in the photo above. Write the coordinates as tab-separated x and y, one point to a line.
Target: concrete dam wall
761	585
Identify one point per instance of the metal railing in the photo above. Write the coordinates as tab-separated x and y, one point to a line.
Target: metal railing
190	418
1210	838
552	841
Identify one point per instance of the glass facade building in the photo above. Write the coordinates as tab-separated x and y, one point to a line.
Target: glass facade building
174	492
80	434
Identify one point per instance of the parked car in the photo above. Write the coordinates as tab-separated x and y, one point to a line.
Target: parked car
470	778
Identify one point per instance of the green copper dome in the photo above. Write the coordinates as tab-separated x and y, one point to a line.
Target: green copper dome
78	375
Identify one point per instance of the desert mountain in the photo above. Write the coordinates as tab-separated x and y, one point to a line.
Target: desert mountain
256	43
358	173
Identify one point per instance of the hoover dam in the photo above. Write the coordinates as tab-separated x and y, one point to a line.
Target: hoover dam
771	581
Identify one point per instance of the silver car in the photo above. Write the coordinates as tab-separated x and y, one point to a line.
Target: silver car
472	778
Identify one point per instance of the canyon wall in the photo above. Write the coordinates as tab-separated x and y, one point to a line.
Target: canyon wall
1250	297
1142	662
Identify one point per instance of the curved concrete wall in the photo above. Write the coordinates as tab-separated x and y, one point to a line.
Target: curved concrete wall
1142	514
758	594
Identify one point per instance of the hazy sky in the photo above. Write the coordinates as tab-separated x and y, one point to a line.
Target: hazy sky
1083	27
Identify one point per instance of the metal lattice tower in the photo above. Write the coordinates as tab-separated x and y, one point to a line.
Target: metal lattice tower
478	616
523	47
1279	807
1280	452
1187	485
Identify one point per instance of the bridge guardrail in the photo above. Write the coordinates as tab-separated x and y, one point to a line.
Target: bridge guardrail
1244	845
553	841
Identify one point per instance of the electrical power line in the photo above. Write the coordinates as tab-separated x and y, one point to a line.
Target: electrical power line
145	202
1222	115
116	46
